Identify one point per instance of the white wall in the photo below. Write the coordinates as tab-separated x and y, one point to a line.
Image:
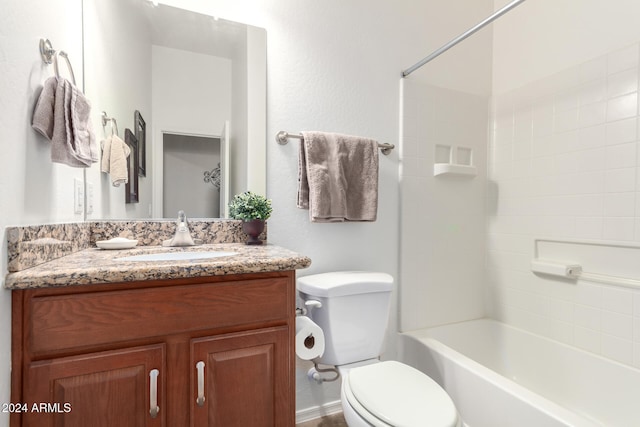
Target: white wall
32	189
564	163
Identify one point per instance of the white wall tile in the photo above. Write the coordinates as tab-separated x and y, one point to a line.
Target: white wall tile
621	131
620	204
622	107
589	227
619	325
618	229
593	91
621	156
587	317
620	180
561	331
589	295
592	136
617	349
566	120
622	83
590	160
561	310
542	120
581	181
592	114
618	300
636	303
587	339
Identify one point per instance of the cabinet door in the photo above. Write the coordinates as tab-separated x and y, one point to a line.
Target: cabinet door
243	380
113	388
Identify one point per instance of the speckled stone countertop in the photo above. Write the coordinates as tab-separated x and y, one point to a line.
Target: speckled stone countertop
94	265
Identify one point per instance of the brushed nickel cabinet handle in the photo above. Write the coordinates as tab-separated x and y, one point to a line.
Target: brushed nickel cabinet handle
200	368
153	393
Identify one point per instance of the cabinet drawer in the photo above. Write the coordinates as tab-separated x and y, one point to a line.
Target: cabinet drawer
82	320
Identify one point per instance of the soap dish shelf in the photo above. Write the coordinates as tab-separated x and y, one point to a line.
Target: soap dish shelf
454	170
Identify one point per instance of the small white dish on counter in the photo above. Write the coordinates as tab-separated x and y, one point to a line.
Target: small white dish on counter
117	243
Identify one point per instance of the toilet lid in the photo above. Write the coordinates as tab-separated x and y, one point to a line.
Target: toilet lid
401	396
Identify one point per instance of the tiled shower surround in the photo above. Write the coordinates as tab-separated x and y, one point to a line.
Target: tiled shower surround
564	163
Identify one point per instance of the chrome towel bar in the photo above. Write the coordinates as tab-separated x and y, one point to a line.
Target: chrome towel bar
282	138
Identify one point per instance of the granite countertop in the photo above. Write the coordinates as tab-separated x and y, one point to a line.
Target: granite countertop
95	265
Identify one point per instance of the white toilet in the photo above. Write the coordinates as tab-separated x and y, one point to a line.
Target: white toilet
353	314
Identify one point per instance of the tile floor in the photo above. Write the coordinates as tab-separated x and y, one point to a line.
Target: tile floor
336	420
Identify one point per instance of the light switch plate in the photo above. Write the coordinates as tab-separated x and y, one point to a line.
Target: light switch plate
78	196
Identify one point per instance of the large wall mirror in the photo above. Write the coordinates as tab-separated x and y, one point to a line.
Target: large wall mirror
192	89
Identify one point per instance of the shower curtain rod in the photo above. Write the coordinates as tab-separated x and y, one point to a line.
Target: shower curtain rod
461	37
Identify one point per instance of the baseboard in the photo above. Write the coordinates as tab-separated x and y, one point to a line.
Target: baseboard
315	412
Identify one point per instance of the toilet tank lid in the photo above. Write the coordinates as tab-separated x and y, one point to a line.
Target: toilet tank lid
341	283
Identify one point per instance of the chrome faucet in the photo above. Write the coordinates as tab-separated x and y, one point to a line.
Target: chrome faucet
182	236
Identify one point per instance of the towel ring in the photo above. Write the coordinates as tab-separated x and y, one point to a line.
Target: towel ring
50	56
47	51
112	120
55	65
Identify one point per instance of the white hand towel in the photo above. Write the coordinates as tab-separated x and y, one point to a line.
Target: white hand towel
106	154
342	176
118	165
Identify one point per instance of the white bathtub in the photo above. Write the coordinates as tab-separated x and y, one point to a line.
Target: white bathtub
501	376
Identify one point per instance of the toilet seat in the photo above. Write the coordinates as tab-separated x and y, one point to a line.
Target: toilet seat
394	394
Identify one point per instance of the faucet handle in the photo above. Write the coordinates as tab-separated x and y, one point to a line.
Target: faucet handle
182	217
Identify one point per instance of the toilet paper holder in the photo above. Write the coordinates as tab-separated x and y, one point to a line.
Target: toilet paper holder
302	311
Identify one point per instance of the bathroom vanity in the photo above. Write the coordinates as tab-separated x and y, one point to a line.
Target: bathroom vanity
174	343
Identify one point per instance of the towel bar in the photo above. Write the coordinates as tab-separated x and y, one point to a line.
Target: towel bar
282	138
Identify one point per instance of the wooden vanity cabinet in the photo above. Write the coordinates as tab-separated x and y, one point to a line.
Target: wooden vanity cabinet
219	349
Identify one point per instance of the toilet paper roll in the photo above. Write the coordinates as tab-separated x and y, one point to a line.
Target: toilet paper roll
309	339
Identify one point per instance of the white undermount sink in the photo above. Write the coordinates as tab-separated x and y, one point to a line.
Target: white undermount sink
177	256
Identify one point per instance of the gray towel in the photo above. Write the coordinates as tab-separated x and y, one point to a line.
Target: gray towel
79	131
338	177
43	117
62	116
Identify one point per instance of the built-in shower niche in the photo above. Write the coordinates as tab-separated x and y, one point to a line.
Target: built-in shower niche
454	160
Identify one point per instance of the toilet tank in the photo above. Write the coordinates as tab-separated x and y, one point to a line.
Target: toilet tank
354	312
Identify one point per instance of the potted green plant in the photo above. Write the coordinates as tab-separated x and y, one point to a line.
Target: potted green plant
253	209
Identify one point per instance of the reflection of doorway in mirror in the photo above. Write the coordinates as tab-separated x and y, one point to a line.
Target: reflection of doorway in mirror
186	158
